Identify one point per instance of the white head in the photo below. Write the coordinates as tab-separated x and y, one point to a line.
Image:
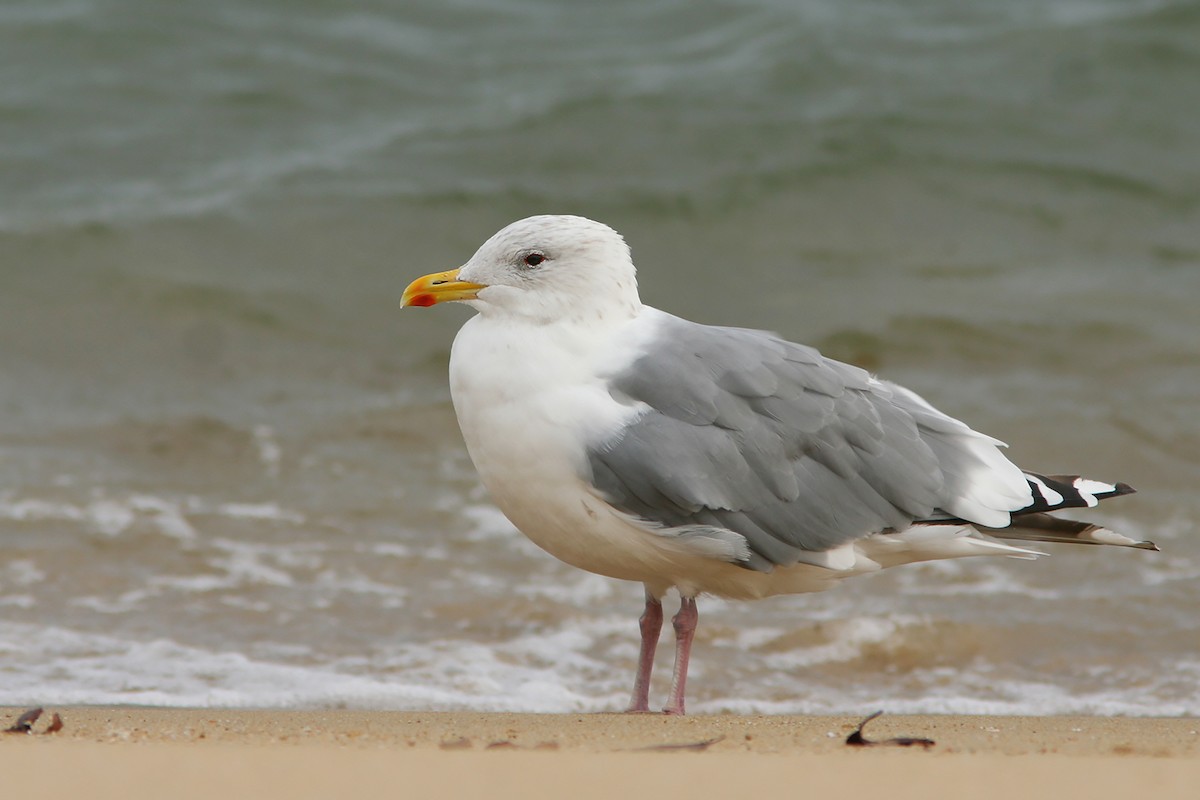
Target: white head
542	269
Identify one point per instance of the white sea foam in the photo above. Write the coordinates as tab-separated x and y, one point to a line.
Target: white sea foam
550	672
589	589
243	562
390	549
255	511
390	595
121	604
62	666
21	572
112	516
36	510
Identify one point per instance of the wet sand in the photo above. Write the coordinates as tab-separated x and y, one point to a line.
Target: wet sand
184	753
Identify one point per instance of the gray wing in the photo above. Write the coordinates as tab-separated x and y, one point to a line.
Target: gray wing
797	453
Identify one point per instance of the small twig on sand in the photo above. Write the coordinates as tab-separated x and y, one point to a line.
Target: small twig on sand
857	739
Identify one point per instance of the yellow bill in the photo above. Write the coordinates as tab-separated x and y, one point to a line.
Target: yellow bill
440	287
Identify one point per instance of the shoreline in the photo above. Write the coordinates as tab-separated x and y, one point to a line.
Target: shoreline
104	752
1160	737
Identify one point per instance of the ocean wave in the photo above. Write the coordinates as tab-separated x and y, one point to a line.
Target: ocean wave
287	101
551	672
62	666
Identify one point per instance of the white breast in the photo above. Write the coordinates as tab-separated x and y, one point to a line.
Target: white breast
529	399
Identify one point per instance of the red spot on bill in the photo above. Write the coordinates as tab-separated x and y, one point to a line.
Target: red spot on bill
423	300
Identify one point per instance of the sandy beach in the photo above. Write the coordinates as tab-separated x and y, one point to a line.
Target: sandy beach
103	752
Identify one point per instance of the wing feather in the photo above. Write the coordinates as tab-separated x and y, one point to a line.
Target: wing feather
745	432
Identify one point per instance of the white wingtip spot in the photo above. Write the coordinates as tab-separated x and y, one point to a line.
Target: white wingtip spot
1088	488
1051	497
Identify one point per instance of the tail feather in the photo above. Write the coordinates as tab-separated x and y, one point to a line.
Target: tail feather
1053	493
1040	527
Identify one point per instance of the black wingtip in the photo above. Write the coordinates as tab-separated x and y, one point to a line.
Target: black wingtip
1072	496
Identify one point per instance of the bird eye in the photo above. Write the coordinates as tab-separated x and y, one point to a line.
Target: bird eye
533	259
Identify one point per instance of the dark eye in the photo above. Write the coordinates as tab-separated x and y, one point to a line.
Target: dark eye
533	259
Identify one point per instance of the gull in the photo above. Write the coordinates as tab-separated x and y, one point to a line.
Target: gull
710	460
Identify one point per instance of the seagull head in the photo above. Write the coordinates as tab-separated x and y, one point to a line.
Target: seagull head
544	269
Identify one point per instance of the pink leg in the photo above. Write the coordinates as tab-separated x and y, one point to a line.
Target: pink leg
685	629
651	625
